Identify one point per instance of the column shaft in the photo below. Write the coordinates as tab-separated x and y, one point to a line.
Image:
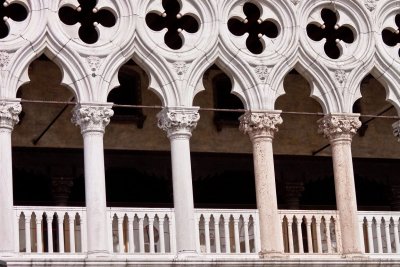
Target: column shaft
261	128
93	118
340	129
9	112
179	122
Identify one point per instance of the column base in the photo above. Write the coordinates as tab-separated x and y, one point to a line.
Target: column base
186	254
265	254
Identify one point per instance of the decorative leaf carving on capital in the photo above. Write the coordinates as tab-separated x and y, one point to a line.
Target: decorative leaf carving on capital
339	126
260	123
92	118
371	4
178	121
9	112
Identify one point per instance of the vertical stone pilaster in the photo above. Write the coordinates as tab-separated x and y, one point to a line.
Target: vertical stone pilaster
340	129
93	119
179	123
9	112
261	127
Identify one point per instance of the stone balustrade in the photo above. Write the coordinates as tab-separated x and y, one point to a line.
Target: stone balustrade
151	231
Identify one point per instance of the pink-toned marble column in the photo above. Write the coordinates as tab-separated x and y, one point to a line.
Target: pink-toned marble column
93	119
340	129
179	123
9	111
261	127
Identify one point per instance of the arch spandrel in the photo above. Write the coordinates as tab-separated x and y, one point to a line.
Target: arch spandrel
19	44
350	23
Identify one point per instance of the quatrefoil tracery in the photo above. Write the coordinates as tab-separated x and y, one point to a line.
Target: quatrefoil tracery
172	20
89	17
14	11
392	37
332	32
254	26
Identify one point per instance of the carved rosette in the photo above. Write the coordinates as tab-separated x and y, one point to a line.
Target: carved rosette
260	124
92	118
9	112
339	126
178	121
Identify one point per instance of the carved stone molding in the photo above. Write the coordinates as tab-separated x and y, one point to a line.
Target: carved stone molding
371	4
4	59
9	112
260	123
295	2
176	121
396	130
339	126
92	118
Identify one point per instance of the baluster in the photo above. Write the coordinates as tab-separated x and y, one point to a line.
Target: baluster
328	234
309	235
83	231
120	221
299	235
39	244
28	233
379	235
207	233
60	221
151	233
290	233
387	233
370	237
50	232
396	234
17	232
198	243
217	235
319	239
236	230
246	234
172	238
362	242
71	234
130	234
161	234
227	235
141	235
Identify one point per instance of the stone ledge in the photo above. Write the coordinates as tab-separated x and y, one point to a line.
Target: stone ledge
142	260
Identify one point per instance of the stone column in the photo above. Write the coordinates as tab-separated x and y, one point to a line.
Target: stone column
261	127
9	111
179	124
92	119
340	129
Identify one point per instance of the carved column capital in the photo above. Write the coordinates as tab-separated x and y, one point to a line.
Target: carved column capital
260	124
339	126
92	117
177	121
9	112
